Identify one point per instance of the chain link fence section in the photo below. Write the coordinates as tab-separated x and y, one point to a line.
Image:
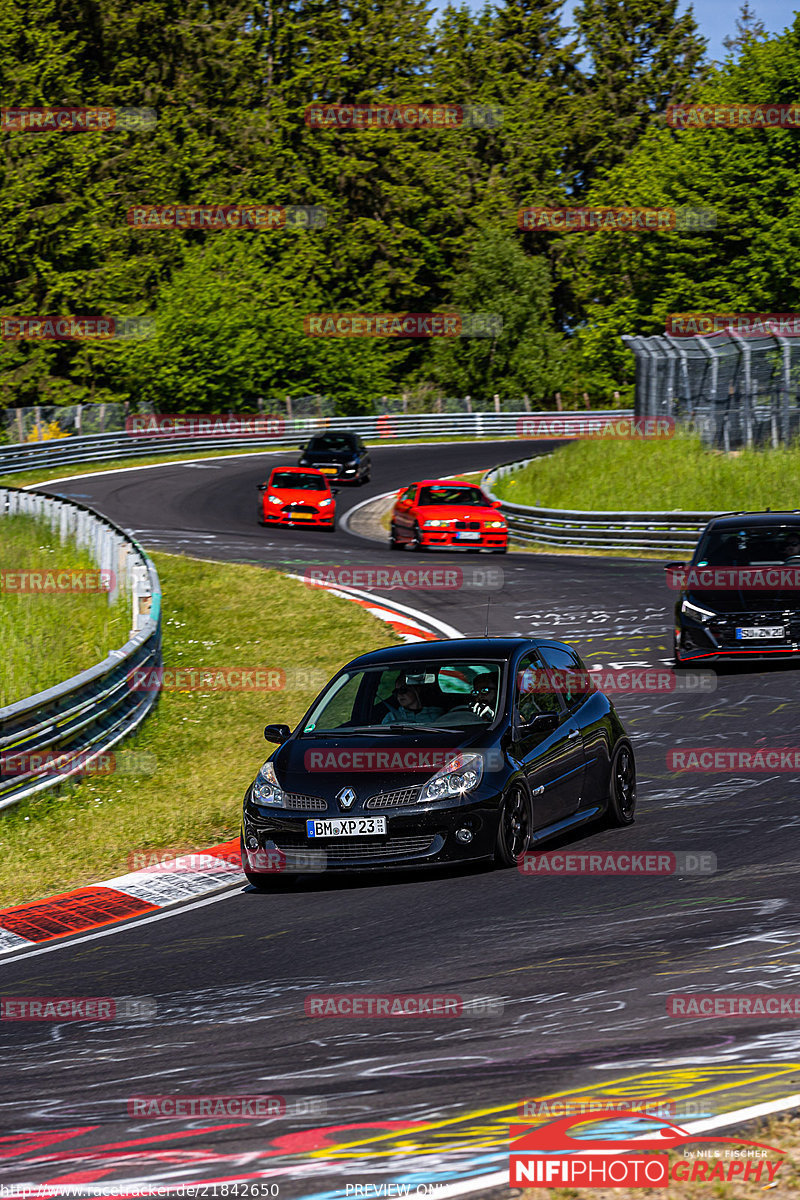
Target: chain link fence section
734	391
88	714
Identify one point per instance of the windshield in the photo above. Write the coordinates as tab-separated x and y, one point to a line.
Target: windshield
298	483
451	694
760	545
452	495
333	441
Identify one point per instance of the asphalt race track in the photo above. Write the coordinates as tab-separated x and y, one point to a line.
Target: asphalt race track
583	965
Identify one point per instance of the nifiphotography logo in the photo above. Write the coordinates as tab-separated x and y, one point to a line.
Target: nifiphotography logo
551	1156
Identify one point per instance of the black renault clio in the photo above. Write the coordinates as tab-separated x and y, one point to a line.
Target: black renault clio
439	752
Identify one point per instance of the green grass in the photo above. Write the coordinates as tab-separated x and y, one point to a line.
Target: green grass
206	746
657	476
48	637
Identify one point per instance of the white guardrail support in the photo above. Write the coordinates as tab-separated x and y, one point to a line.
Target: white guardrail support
671	532
88	714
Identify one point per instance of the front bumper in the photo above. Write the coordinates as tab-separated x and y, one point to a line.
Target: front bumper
715	640
419	835
488	539
318	521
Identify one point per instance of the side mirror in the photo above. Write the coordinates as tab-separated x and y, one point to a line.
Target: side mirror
497	504
675	566
335	491
277	733
301	447
542	723
262	487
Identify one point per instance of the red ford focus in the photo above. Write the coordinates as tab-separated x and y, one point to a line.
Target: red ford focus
297	496
446	512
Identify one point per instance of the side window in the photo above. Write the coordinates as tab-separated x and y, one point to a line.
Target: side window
533	691
569	675
408	494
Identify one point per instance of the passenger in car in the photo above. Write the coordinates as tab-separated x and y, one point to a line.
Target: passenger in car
406	705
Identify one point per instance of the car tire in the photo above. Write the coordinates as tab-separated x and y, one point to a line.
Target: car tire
514	827
622	785
394	544
502	550
416	544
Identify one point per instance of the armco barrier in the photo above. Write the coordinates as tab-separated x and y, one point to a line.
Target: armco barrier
672	532
98	447
92	711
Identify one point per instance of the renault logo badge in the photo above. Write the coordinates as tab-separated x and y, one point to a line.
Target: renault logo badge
346	797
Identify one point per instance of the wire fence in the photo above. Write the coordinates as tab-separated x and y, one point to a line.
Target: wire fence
49	422
735	391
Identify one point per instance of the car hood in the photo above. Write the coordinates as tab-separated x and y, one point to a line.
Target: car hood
459	512
723	602
295	494
323	766
330	456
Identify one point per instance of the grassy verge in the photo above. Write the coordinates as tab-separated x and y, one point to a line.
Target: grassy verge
655	476
206	746
47	637
23	478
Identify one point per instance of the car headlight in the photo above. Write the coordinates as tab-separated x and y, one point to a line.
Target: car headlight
694	610
303	462
436	524
275	500
323	503
266	789
495	524
461	774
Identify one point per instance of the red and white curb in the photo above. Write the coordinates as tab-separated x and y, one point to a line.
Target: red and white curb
410	623
133	895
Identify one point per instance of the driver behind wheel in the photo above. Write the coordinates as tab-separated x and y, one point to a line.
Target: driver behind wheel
483	697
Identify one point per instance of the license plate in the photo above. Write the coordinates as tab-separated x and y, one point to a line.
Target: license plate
301	516
468	537
346	827
747	632
329	470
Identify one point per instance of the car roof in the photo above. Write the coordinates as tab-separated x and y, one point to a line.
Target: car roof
755	519
448	648
444	483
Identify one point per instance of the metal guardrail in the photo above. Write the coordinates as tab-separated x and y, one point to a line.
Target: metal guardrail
88	714
673	532
96	448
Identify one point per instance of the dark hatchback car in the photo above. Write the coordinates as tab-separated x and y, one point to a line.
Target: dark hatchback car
442	752
738	597
341	456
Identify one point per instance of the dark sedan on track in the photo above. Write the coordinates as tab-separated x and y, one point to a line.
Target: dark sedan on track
341	456
441	752
739	597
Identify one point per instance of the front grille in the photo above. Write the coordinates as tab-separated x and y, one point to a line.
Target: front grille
292	510
367	848
724	628
305	803
468	524
393	799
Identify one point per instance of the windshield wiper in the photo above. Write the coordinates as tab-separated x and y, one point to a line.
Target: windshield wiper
409	728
